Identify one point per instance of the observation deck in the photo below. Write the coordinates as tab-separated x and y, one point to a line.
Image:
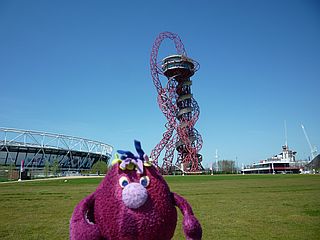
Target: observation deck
179	65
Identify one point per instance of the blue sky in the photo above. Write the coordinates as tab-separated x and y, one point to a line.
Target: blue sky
81	68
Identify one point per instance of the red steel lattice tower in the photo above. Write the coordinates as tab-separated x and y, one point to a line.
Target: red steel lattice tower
179	107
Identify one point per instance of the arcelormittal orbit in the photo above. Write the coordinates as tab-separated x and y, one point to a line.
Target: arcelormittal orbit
178	105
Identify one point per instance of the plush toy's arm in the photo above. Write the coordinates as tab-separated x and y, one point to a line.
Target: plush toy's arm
191	226
82	225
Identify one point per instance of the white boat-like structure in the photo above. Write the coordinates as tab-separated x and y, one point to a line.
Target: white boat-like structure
284	162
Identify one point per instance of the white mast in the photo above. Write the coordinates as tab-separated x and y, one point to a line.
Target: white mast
285	132
217	168
313	149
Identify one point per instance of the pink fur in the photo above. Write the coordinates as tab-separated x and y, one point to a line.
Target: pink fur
104	214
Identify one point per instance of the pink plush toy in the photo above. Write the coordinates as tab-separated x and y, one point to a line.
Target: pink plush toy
132	202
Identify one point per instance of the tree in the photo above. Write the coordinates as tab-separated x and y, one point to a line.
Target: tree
12	171
99	167
55	167
227	166
46	168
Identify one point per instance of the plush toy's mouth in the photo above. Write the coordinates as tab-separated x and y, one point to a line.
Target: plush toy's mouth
89	217
134	195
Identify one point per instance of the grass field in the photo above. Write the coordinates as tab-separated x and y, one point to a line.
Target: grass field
228	207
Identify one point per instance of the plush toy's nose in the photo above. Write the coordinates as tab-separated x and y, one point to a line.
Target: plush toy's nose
134	195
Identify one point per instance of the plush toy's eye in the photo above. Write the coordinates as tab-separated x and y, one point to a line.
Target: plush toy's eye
123	181
144	181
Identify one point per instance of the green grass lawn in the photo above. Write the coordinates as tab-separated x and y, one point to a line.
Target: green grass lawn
228	207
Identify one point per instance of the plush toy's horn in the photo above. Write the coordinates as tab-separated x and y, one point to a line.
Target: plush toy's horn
139	150
126	154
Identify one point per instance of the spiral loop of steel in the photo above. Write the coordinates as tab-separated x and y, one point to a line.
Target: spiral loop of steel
179	107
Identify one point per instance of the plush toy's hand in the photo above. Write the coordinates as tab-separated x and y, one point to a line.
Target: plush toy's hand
191	226
82	225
